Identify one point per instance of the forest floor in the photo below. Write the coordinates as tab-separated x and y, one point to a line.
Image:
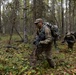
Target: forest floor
16	61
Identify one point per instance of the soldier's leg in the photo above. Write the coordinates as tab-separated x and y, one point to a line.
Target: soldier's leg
38	51
49	57
71	46
55	42
68	45
34	56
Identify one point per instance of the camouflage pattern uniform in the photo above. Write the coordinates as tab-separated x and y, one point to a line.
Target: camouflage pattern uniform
45	45
70	39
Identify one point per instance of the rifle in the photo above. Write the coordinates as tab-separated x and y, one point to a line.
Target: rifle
39	38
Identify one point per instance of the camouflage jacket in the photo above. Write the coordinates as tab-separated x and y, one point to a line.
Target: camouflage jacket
45	31
69	38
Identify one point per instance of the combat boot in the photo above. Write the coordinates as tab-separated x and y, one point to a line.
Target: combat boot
51	63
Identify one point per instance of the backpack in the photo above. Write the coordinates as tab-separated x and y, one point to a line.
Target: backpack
54	29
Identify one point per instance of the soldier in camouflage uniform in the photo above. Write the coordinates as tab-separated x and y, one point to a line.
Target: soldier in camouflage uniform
70	39
45	42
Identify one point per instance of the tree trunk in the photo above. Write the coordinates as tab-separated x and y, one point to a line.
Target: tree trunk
69	15
73	15
66	17
38	6
24	15
34	10
62	11
74	11
53	10
0	18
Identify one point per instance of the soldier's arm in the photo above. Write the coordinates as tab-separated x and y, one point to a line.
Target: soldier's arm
74	38
48	37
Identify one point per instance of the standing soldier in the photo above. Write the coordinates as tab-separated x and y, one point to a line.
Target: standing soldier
43	41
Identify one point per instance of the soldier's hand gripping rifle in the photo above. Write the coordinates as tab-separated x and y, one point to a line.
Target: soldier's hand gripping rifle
37	45
39	38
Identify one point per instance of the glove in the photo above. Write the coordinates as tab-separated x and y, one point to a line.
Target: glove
41	42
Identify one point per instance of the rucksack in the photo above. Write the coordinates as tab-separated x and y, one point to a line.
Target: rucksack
54	29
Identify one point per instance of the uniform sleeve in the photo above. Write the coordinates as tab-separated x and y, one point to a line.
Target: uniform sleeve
48	37
74	38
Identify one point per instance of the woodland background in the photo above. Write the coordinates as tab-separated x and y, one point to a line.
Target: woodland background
17	23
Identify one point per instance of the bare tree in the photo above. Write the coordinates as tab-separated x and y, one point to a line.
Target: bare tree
69	15
14	13
66	16
62	11
0	18
38	10
25	18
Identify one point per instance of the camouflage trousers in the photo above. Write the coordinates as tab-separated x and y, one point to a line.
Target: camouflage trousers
47	50
70	45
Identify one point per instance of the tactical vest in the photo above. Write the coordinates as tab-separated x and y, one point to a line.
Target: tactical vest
41	33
